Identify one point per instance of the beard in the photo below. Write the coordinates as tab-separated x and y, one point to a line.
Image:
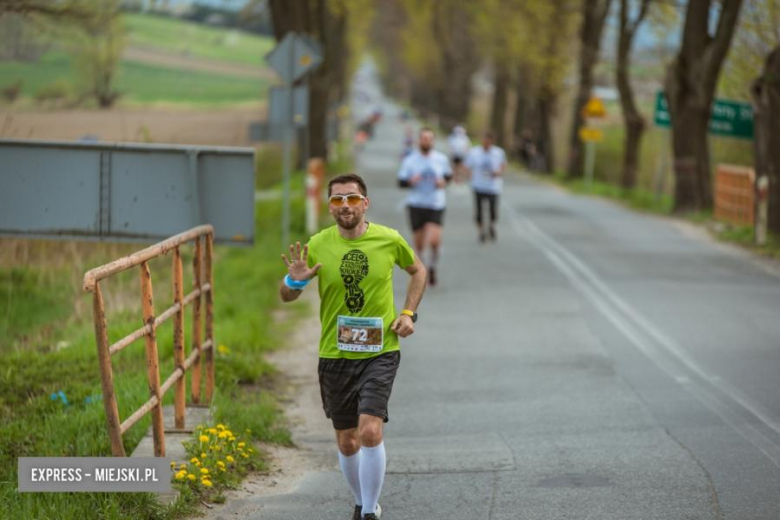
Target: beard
424	148
347	220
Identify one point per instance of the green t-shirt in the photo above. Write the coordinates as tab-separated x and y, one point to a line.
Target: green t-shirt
356	290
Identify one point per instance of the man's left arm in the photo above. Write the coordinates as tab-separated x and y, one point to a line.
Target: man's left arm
403	324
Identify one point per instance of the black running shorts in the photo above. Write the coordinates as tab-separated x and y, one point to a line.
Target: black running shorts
350	387
421	216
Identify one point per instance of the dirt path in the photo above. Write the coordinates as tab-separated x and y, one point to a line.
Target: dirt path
179	61
297	364
224	127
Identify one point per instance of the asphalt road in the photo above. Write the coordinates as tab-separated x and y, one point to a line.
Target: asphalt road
594	363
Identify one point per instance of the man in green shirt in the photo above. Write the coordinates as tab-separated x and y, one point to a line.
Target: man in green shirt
359	348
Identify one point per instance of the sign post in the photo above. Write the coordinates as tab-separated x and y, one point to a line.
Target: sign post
594	109
292	58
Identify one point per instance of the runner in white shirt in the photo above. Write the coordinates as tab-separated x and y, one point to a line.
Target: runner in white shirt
459	144
426	172
486	164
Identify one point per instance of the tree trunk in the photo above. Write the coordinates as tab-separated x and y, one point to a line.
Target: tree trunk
594	13
498	111
519	123
632	118
546	110
766	102
459	59
690	88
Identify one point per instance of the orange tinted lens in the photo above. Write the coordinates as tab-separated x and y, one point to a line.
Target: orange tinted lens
336	200
354	200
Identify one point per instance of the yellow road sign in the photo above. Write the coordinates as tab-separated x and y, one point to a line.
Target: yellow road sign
594	108
591	134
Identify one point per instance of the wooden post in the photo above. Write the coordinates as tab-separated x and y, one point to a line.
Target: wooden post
153	370
196	325
209	319
179	396
106	374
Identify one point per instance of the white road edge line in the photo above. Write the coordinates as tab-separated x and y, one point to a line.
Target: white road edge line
611	306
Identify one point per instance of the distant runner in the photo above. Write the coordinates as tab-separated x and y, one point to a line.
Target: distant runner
459	144
486	164
426	173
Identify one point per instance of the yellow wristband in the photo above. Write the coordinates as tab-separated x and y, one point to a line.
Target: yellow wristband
408	312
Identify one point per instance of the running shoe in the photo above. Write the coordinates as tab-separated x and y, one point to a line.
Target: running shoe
432	276
374	516
492	233
358	514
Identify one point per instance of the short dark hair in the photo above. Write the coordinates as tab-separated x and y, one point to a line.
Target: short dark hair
348	178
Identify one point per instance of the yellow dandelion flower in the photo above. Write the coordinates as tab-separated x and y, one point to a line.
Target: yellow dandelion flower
204	438
220	426
173	464
241	444
222	349
245	455
250	450
191	477
202	455
222	469
229	458
180	475
205	471
229	433
194	460
220	464
207	483
197	462
183	466
212	431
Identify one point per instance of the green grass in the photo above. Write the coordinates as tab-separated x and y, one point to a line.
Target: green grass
138	82
37	295
149	84
638	198
192	39
53	66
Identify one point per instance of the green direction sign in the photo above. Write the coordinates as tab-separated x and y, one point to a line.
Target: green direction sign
728	118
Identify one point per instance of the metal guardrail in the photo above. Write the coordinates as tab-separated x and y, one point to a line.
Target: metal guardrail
203	288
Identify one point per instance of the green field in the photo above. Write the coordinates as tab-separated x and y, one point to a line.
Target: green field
195	40
138	82
143	83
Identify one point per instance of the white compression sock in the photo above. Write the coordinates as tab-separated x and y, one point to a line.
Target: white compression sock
372	476
350	467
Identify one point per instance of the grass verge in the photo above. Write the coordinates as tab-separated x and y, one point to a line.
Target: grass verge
50	402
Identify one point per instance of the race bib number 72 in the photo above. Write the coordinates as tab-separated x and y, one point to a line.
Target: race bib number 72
360	334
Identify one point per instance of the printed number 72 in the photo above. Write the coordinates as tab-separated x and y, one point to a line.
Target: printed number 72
360	335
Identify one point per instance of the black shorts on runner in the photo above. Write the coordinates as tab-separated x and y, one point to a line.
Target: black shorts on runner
421	216
350	387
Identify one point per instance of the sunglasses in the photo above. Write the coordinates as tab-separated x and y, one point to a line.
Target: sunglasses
353	199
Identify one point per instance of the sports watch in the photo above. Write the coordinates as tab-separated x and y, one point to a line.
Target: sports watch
411	314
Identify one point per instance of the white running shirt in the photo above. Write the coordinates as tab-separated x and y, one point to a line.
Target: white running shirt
482	164
432	167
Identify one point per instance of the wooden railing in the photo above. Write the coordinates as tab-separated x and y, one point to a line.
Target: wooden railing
202	282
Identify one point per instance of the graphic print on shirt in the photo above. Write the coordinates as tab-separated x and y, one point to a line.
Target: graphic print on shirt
354	268
428	180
